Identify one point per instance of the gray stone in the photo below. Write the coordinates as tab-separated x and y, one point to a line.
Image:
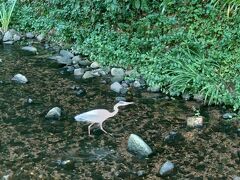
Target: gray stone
79	72
138	147
123	90
84	62
19	78
1	60
116	87
198	97
136	84
16	37
94	65
117	72
40	37
8	36
236	177
76	59
66	54
141	173
30	49
61	60
29	35
229	115
167	168
154	89
87	75
54	113
117	78
186	96
29	100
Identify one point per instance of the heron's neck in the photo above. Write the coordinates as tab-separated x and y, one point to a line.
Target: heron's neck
115	110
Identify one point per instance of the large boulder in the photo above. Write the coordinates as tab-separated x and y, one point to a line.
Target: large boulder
137	146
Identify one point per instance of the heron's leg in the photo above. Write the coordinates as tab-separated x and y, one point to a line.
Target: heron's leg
102	128
89	128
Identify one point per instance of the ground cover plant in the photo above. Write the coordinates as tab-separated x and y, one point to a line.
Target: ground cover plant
180	46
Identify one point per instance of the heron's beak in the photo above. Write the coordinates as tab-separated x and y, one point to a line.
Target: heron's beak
130	102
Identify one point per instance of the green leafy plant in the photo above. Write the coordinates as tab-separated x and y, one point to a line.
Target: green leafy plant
231	5
6	9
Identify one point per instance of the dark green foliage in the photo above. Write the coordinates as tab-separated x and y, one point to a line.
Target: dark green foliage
181	46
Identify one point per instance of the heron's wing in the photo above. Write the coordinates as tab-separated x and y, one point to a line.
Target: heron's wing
92	116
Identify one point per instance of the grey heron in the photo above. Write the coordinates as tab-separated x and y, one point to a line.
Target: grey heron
98	116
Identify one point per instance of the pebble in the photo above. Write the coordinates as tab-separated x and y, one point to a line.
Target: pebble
137	146
66	54
195	121
87	75
40	37
186	96
117	72
136	84
167	168
154	89
141	173
19	78
94	65
79	72
229	115
29	35
54	113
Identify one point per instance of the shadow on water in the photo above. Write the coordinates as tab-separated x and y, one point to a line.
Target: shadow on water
32	147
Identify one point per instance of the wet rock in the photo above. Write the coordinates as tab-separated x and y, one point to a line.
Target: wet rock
173	138
198	97
8	36
137	146
124	90
76	59
117	78
195	121
66	54
116	87
30	49
16	37
94	65
40	37
136	84
1	60
99	72
167	168
87	75
30	35
236	177
117	72
84	62
29	101
141	173
19	78
229	115
66	164
154	89
186	96
81	92
61	60
54	113
79	72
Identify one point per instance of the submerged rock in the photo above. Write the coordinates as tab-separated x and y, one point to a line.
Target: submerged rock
54	113
116	87
167	168
66	54
30	49
19	78
137	146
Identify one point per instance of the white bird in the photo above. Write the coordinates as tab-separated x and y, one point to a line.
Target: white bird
98	116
